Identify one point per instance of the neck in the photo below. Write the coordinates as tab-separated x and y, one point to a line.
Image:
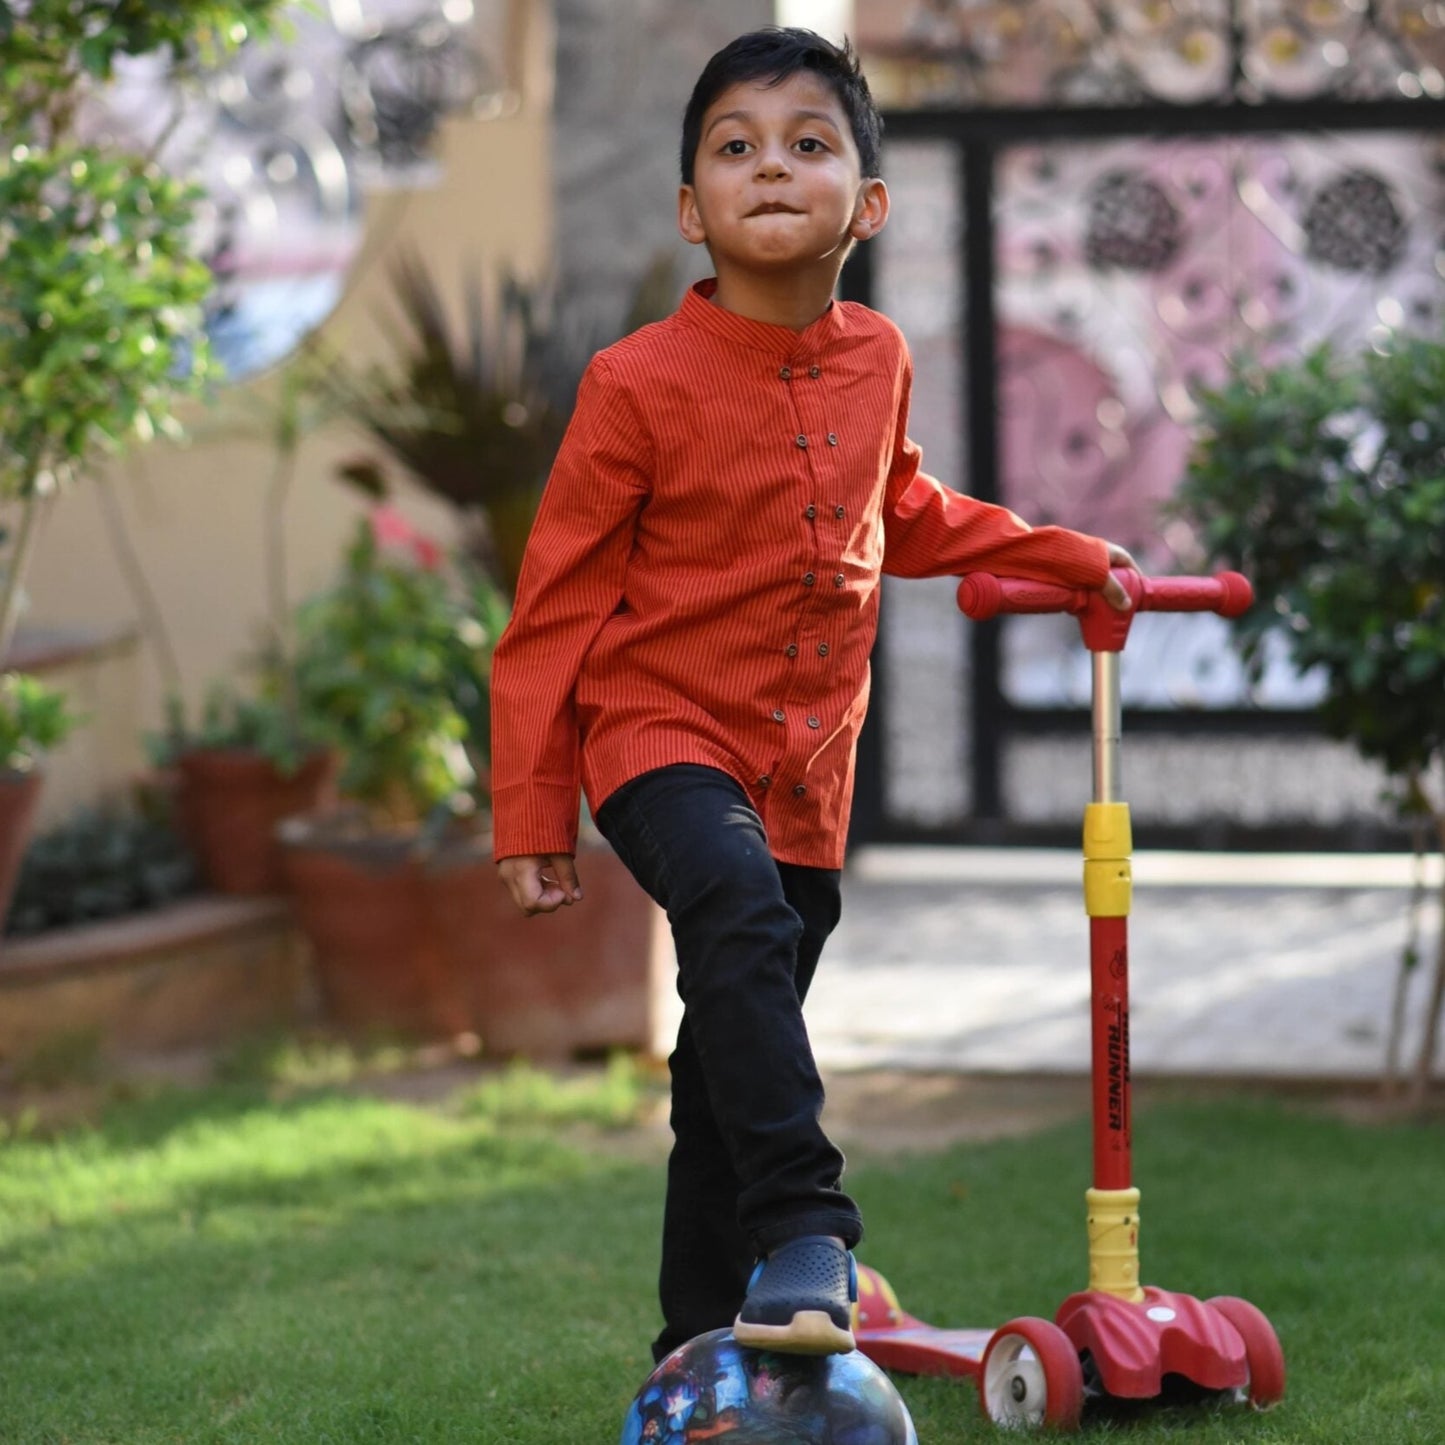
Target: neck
782	300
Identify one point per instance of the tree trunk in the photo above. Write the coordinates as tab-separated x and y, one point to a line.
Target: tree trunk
19	565
1428	1045
1409	961
132	569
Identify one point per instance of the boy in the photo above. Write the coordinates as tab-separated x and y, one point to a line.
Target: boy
690	645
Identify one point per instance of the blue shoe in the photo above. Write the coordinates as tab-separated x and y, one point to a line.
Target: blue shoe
800	1300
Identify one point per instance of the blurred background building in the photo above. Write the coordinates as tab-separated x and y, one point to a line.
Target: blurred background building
1096	205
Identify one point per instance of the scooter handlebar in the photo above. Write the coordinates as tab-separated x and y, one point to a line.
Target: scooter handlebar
981	595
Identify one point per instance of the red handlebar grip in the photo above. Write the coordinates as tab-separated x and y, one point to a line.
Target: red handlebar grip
981	595
1227	593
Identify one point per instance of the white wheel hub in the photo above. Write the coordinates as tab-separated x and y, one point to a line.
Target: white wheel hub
1014	1386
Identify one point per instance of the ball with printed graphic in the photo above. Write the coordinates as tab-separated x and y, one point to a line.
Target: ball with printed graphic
714	1389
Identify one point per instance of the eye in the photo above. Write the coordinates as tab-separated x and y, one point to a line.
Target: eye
735	148
811	145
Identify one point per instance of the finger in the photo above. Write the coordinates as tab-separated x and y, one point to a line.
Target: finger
1116	595
524	887
564	870
523	877
1120	557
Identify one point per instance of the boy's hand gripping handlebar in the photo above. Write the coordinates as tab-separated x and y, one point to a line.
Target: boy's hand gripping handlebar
981	595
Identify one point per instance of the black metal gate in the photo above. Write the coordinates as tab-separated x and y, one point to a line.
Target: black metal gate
1011	219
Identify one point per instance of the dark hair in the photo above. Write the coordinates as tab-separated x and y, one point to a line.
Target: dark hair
774	54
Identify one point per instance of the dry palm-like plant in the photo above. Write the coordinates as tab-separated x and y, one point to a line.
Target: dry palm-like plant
477	416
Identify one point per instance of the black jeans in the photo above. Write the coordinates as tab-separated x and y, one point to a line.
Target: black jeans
750	1167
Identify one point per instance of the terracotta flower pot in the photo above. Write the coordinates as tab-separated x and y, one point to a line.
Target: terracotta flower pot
231	800
428	942
363	904
19	795
596	976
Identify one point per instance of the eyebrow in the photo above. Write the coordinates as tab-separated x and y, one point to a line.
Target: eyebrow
797	115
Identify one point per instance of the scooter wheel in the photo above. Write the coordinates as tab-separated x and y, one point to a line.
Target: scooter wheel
1262	1355
1031	1377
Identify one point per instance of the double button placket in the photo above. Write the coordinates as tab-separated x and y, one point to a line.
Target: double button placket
821	581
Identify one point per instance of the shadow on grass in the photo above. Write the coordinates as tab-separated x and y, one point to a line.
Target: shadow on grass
440	1283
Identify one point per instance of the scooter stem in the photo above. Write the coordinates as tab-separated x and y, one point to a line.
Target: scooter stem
1107	727
1113	1202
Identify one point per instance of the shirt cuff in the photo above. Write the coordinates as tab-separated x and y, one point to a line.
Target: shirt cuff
533	819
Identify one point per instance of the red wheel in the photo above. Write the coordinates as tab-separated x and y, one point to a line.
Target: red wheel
1262	1355
1031	1377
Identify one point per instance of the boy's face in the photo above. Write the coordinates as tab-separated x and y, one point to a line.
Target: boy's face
777	182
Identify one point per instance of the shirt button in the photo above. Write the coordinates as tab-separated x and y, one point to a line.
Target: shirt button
815	372
808	579
799	791
822	649
786	374
810	511
801	440
832	438
814	723
838	579
765	781
791	649
778	714
838	512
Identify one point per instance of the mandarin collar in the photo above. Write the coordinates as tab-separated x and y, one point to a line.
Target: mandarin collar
698	310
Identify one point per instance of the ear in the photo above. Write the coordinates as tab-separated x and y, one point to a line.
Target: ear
689	219
870	211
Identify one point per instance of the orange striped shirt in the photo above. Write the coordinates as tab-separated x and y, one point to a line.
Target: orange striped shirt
701	584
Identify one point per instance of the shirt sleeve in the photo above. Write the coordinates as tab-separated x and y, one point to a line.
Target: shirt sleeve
571	583
930	530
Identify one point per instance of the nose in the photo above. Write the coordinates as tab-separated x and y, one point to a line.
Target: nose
772	162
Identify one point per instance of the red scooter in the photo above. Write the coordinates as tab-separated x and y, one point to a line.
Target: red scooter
1117	1338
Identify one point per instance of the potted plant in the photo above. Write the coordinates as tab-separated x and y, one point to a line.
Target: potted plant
253	760
391	659
1323	480
33	719
249	763
475	415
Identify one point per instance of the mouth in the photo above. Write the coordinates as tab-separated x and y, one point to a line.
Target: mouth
774	208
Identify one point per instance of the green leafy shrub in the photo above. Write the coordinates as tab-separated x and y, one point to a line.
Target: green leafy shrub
264	723
33	719
99	864
394	661
1324	481
100	289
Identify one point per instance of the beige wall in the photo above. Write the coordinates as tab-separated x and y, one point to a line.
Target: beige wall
195	513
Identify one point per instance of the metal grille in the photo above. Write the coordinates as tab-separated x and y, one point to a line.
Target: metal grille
1067	280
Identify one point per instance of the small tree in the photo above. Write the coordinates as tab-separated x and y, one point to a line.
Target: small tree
100	288
1324	482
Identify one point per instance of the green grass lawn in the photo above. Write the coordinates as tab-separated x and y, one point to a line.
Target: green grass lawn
230	1265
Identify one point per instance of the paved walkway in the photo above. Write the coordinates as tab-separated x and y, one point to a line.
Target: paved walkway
1246	965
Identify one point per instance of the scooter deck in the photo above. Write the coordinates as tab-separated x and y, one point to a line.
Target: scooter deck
920	1349
896	1340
